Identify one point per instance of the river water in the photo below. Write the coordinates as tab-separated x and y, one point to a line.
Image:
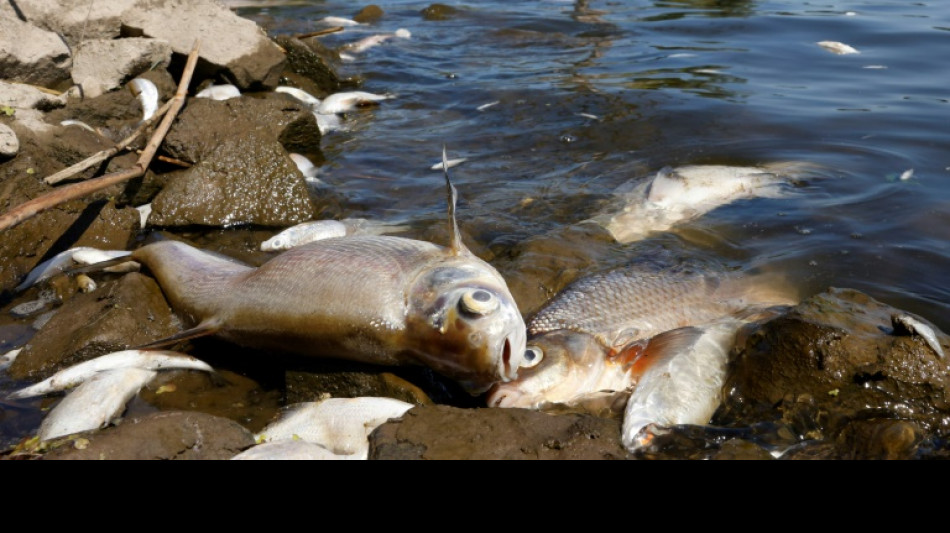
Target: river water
556	104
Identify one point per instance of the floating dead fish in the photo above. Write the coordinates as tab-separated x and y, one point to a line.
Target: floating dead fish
838	48
489	105
907	324
83	255
588	344
219	92
366	43
341	425
292	450
141	359
325	122
348	101
448	164
307	168
8	358
147	93
377	299
684	384
95	403
907	174
338	21
300	95
674	196
327	229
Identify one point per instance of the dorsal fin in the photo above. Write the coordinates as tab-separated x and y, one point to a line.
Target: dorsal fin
455	246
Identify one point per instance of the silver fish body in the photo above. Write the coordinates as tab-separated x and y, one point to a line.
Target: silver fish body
677	195
376	299
327	229
591	339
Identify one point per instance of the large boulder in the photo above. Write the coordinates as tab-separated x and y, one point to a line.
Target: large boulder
31	55
102	65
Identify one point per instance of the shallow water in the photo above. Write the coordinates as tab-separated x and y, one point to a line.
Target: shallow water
593	94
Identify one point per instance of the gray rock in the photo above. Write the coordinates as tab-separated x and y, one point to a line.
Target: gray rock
248	180
440	432
159	436
235	46
21	96
232	46
9	144
31	55
100	66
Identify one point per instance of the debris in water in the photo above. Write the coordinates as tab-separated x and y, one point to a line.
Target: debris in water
837	48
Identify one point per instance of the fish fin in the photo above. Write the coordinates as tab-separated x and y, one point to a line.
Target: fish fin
208	327
660	348
456	245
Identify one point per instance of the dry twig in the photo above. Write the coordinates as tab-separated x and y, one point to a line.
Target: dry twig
78	190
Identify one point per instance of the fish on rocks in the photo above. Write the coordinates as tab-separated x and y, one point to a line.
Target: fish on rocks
327	229
383	299
83	255
677	195
595	342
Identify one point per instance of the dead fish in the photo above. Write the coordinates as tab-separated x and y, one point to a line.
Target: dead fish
588	344
219	92
347	101
292	450
145	211
95	403
341	425
448	164
147	93
8	358
300	95
838	48
377	299
325	122
142	359
684	384
906	324
84	255
483	107
327	229
338	21
366	43
674	196
307	168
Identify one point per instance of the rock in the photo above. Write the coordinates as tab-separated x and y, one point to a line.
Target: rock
311	387
834	359
247	180
128	312
31	55
310	67
100	66
9	144
172	435
368	14
439	432
206	124
238	49
439	12
20	97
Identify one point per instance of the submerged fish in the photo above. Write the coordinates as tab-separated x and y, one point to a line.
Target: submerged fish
376	299
674	196
593	341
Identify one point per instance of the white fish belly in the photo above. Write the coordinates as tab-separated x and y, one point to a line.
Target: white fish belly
95	403
293	450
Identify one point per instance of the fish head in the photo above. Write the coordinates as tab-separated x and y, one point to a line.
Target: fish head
468	325
565	364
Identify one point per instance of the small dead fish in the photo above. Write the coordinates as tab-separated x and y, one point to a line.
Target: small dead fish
80	124
141	359
587	344
374	40
147	93
909	325
292	450
837	48
347	101
83	255
301	96
145	211
448	164
95	403
327	229
489	105
341	425
683	385
338	21
307	168
219	92
8	358
907	174
674	196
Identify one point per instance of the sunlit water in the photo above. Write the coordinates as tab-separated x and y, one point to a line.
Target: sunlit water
589	95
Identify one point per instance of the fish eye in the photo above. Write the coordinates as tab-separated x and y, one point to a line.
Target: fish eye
532	356
478	302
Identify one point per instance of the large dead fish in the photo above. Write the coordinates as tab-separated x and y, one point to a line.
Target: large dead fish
593	342
677	195
376	299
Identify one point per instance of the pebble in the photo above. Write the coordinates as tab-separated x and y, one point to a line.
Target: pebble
9	144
